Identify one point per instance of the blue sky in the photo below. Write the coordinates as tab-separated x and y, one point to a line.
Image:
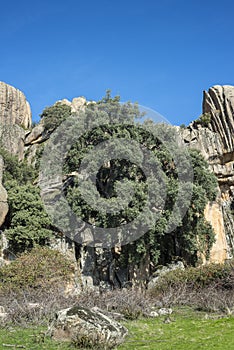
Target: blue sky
162	54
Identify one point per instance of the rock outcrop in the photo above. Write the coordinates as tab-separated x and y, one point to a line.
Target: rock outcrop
15	118
14	108
216	143
219	102
87	328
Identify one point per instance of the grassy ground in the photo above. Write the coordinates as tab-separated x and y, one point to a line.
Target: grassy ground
185	330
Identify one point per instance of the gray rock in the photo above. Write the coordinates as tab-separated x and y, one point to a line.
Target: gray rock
87	327
14	108
165	311
3	314
15	117
164	270
35	135
216	143
160	312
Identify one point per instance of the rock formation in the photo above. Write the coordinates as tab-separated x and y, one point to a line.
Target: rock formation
14	109
87	327
215	140
216	143
15	117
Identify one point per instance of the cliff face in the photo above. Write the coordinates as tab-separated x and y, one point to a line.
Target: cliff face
216	143
15	117
14	109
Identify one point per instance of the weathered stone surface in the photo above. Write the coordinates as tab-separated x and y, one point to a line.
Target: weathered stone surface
14	109
87	327
77	104
12	139
3	196
219	101
214	214
3	314
35	136
164	270
15	117
216	143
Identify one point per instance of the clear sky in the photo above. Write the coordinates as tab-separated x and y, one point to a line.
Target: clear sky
162	54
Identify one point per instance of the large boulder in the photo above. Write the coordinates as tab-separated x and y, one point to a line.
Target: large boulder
87	328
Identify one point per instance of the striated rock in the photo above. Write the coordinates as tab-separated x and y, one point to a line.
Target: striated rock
12	139
3	196
87	328
216	143
15	117
219	102
14	109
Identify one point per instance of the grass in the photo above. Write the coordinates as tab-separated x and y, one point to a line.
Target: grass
186	330
29	338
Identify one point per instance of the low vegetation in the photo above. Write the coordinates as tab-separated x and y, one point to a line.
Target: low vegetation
41	268
185	329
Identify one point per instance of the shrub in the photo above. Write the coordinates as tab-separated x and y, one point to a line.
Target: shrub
41	268
208	288
53	116
204	119
196	278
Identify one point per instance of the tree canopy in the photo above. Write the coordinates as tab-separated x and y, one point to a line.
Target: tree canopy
27	223
191	235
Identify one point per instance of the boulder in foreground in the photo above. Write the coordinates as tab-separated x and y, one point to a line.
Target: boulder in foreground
87	328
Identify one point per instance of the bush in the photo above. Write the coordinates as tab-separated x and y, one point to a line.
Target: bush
196	278
209	287
204	119
53	116
41	268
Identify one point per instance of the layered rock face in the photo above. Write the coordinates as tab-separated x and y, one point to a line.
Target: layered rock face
15	117
216	143
14	109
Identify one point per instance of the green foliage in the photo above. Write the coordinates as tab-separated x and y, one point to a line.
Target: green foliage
186	330
196	278
182	126
204	119
27	222
14	170
41	268
193	235
53	116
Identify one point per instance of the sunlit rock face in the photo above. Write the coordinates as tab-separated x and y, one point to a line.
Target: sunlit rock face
15	119
216	143
14	108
